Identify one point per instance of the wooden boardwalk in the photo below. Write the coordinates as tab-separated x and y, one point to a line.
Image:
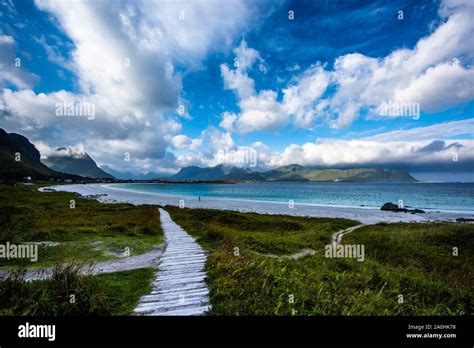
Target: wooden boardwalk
179	287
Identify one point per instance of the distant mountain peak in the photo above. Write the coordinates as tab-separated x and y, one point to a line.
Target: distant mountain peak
127	175
74	160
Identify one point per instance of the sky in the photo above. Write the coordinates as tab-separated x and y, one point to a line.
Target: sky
154	86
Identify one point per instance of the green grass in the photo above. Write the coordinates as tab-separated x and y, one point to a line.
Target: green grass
274	234
412	260
125	288
422	257
106	294
28	215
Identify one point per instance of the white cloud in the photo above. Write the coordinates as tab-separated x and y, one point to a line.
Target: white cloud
336	152
261	112
362	82
75	151
203	150
412	147
10	72
246	57
237	79
111	75
217	147
188	29
228	119
300	97
53	54
410	75
182	141
6	40
294	67
445	130
217	139
456	87
124	56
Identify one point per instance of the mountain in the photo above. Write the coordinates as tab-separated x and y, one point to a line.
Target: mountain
78	164
292	172
220	172
131	176
15	146
296	172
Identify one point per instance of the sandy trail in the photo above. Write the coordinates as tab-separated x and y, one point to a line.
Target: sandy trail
149	259
337	236
295	256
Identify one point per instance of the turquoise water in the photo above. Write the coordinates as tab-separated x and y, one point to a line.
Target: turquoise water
431	196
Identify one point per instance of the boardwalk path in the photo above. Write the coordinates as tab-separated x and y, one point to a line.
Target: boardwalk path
179	287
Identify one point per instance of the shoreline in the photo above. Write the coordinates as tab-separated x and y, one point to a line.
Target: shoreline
366	207
363	214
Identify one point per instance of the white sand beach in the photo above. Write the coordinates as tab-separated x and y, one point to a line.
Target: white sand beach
108	193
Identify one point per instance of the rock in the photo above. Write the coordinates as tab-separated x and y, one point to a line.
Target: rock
95	196
389	206
464	220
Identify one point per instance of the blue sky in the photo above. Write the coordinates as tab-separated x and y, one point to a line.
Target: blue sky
310	89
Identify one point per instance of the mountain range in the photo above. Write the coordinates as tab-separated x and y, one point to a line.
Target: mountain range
218	173
66	164
293	172
125	175
296	172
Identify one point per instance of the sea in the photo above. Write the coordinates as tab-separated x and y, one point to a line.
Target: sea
453	197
